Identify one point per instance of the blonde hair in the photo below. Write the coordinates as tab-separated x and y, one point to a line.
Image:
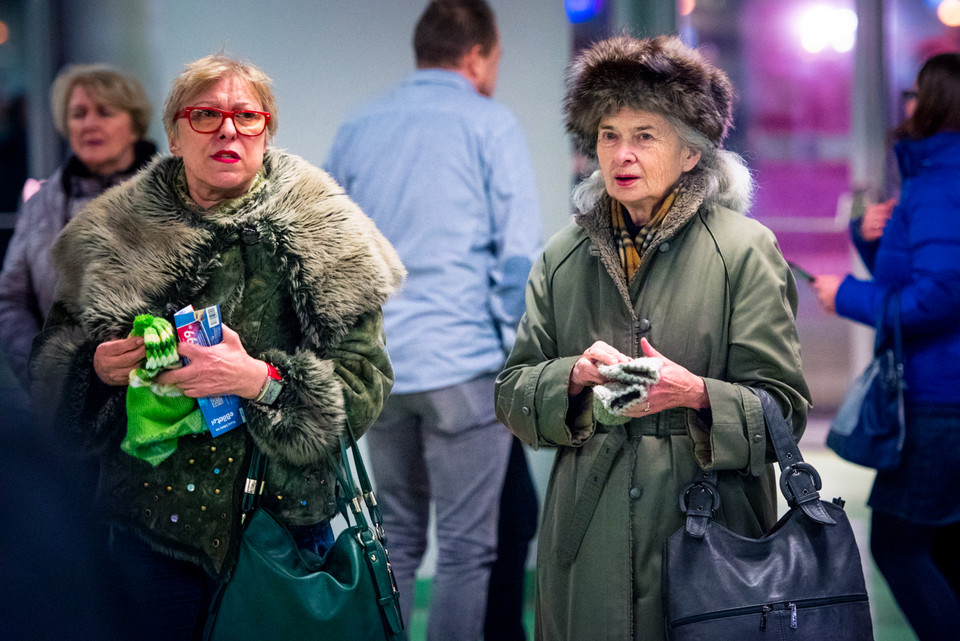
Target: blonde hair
107	85
200	75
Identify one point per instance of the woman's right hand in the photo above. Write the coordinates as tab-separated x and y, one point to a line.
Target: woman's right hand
585	372
114	360
875	218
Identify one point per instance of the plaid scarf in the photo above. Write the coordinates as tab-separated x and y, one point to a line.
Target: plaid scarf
630	256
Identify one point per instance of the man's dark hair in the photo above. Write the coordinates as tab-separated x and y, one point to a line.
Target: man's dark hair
449	28
938	98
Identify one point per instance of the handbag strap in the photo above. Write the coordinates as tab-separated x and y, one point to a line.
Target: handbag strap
352	495
366	487
799	481
253	486
372	539
891	304
350	502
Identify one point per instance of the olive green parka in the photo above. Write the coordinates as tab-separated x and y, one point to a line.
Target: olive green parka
713	294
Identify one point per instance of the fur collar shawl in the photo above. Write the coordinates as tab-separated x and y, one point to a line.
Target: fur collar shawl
140	248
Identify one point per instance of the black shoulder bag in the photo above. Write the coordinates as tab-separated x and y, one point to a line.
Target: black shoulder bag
802	580
275	593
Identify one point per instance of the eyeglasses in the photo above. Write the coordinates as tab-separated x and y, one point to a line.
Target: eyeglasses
206	120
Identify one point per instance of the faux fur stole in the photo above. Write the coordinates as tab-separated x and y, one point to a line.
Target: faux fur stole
597	224
137	249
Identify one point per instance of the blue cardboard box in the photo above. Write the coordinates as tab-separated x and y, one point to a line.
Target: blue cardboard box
203	327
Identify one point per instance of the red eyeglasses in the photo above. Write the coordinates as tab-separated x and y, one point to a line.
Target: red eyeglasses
206	120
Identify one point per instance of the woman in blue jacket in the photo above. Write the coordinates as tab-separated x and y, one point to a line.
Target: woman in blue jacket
916	513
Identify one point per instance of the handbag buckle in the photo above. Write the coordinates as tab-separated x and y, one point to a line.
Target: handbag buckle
698	501
703	507
796	489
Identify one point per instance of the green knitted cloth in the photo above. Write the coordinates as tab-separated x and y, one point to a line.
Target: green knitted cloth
627	386
157	415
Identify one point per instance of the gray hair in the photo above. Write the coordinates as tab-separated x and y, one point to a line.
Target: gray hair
729	182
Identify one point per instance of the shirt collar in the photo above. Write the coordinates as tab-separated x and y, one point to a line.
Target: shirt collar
436	76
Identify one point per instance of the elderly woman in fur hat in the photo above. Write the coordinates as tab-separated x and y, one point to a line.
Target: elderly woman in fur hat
300	275
660	263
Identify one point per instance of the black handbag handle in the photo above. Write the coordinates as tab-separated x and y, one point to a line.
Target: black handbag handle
799	481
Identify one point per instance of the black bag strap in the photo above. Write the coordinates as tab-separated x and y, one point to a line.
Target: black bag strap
799	481
891	307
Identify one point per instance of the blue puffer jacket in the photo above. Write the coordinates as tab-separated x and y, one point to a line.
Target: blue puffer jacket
919	255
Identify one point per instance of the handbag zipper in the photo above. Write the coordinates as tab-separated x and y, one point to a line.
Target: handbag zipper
765	609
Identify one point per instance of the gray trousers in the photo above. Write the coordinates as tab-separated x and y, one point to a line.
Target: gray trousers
444	446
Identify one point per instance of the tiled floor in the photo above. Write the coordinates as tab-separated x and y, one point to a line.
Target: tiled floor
839	479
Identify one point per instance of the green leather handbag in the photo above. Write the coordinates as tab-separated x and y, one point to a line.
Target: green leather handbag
274	593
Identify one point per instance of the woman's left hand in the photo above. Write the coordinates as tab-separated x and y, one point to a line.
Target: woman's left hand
825	287
678	387
217	370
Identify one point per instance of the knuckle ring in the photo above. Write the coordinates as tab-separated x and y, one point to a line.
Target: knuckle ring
647	408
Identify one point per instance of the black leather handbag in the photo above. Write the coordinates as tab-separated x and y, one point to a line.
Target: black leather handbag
276	593
802	580
870	426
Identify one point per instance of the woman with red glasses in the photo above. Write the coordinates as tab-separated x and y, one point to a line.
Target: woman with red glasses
300	275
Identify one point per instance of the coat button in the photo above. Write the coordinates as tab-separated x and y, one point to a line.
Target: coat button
636	493
643	324
757	438
525	410
250	236
665	247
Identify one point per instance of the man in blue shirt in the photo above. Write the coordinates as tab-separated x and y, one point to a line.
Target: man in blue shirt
445	173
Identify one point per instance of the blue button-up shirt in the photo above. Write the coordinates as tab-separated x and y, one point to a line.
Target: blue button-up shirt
446	175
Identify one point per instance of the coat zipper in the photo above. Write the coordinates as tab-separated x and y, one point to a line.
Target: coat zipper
767	608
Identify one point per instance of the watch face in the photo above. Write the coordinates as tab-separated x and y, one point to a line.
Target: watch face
270	395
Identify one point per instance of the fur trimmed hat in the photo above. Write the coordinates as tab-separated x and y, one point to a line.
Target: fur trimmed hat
660	74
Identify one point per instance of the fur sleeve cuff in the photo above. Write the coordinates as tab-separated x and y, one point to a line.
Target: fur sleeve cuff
306	423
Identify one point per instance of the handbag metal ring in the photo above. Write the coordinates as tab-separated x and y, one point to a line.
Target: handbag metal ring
704	486
795	470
